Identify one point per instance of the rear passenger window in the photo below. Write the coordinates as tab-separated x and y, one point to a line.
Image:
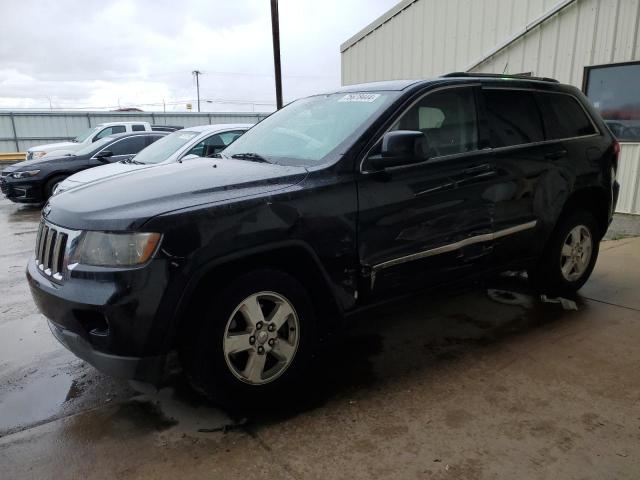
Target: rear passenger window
447	119
137	128
513	116
564	117
128	146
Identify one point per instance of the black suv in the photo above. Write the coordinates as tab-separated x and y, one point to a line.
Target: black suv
33	181
336	202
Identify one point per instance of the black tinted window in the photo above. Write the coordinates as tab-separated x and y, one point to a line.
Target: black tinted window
563	116
447	120
514	118
128	146
137	128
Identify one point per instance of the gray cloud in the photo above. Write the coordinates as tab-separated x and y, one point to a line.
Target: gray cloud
96	53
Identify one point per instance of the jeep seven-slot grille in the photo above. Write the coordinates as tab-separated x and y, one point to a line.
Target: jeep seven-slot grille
51	245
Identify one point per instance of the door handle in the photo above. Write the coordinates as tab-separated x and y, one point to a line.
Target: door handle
558	154
485	167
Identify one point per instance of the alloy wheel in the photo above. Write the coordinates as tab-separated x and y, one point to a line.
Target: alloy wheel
261	338
576	253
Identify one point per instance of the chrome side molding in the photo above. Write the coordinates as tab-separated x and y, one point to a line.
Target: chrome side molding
485	237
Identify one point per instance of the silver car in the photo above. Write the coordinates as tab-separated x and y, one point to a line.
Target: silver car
192	142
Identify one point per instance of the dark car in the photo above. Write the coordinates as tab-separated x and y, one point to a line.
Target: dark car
166	128
33	181
333	204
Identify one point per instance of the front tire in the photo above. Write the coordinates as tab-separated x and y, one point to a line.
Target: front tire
254	341
51	185
570	255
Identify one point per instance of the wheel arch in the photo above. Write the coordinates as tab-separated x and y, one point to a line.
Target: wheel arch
293	257
595	200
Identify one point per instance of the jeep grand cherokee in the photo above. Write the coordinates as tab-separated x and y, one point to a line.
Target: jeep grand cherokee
334	203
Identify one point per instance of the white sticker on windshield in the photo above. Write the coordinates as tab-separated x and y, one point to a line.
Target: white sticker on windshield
360	97
187	136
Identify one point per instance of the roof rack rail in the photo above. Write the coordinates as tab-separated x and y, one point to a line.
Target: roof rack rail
522	76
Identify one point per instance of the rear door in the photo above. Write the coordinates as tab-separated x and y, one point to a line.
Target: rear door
430	221
527	176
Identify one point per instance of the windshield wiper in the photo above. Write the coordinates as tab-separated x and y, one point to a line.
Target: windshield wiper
254	157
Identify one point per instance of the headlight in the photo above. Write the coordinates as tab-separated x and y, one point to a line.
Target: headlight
25	174
57	189
115	249
38	154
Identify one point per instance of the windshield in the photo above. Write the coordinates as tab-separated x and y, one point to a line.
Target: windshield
162	149
307	130
84	135
94	146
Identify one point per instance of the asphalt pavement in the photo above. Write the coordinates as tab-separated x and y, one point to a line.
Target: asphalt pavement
489	382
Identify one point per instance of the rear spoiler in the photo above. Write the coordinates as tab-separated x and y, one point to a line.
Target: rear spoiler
166	128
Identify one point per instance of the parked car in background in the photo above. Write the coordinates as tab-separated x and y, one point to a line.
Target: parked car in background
94	134
192	142
333	204
33	181
166	128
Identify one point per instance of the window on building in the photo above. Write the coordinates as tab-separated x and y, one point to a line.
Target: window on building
563	116
447	119
615	92
513	116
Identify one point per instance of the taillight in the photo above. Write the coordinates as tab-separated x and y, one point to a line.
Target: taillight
616	148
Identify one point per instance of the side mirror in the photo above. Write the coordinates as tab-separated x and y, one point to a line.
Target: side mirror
190	156
104	155
400	147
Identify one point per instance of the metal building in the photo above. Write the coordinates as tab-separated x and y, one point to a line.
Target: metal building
592	44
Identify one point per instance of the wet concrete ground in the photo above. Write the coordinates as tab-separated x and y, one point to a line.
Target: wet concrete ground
486	383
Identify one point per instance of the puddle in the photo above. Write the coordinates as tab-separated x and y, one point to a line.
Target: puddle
35	402
510	297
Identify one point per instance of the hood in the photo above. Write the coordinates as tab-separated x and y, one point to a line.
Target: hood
50	147
101	172
35	163
125	202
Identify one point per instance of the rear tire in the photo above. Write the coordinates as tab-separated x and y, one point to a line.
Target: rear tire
570	255
240	355
51	184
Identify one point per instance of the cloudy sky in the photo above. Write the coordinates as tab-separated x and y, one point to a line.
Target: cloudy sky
101	54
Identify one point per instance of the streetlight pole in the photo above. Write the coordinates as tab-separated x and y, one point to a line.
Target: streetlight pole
197	73
275	32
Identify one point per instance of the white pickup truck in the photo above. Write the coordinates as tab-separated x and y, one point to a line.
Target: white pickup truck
85	138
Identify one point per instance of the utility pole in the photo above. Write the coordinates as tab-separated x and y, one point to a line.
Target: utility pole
275	31
197	73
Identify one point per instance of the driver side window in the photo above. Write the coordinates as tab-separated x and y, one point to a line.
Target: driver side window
447	120
214	144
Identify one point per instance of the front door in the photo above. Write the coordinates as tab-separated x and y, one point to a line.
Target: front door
429	221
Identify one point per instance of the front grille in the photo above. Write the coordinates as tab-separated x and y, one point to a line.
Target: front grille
53	245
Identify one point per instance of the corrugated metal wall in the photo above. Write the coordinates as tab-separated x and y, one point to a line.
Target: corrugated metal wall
629	178
37	128
426	38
